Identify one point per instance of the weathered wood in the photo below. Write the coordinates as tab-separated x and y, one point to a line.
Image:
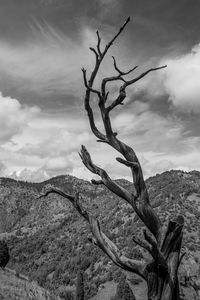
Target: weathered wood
161	273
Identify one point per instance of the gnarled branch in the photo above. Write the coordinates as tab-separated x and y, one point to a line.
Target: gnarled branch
99	60
144	209
121	72
99	238
106	180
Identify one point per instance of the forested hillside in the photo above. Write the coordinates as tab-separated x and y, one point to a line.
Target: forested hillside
48	240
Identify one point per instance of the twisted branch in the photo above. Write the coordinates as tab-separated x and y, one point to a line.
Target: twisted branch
144	209
105	179
99	238
99	58
121	72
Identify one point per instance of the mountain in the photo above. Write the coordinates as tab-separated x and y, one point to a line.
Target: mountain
48	240
16	286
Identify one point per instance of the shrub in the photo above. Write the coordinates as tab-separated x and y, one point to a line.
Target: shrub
66	295
80	286
124	291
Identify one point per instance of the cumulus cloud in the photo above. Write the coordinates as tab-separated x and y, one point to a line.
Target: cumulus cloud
56	142
43	62
13	117
52	167
161	143
48	146
58	164
50	135
36	175
45	147
181	81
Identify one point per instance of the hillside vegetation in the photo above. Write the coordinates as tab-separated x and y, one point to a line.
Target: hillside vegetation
15	286
49	243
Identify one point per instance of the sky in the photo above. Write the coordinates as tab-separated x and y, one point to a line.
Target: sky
43	46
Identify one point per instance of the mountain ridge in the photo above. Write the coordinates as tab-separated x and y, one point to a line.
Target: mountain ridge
48	240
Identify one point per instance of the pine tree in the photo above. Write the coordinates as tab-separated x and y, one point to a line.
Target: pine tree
124	291
80	286
4	254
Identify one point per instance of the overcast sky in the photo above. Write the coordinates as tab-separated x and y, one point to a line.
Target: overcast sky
43	46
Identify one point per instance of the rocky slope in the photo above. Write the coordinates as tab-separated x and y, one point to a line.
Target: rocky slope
15	286
49	241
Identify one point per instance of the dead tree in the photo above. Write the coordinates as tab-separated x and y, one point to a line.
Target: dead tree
163	245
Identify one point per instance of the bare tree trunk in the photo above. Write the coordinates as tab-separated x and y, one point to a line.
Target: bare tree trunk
162	280
161	274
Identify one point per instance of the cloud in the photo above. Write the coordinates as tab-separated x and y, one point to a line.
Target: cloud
49	64
160	142
106	6
152	167
178	83
149	130
14	117
3	169
54	136
181	81
46	145
36	175
58	164
41	63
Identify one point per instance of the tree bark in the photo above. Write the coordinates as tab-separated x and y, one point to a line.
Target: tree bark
162	280
161	273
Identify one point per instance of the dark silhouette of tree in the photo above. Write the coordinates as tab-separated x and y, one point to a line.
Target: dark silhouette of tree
161	273
80	286
4	254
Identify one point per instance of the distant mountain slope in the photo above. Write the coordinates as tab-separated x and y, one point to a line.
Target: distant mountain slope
14	287
49	241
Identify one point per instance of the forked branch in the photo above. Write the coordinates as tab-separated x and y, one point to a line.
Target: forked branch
121	72
144	209
105	179
99	238
99	58
161	272
73	199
